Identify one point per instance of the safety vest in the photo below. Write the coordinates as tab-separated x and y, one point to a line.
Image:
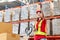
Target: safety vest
40	25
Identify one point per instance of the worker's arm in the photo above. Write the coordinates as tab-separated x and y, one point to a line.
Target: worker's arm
52	17
35	27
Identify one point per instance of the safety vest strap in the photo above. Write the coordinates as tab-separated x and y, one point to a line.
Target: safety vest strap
40	33
39	26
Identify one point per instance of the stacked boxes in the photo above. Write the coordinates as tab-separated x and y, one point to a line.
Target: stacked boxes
8	36
6	32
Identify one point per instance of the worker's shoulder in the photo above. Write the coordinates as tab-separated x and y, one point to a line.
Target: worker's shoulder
44	20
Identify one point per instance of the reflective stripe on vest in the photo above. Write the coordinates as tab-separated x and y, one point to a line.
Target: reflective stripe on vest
39	29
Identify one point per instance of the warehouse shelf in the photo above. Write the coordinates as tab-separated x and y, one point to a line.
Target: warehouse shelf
34	19
49	37
17	4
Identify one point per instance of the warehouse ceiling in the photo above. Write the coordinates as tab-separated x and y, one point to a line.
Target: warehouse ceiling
13	4
10	4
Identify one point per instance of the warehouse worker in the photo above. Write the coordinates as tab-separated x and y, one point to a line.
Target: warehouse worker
40	27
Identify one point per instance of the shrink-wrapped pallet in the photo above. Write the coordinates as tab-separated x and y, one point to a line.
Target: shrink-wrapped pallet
15	28
56	26
1	16
24	12
15	14
7	15
22	28
33	9
46	9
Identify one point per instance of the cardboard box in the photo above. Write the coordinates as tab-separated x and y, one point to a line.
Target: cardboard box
5	27
8	36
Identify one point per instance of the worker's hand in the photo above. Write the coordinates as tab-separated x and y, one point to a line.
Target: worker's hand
35	29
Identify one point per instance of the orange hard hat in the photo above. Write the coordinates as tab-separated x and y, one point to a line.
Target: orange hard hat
38	11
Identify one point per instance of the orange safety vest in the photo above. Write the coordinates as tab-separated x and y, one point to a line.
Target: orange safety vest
41	27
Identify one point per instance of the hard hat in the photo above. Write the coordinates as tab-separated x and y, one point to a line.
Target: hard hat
38	11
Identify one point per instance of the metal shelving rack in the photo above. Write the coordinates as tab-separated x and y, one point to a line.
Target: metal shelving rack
15	4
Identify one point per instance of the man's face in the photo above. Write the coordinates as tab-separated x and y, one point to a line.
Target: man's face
39	14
